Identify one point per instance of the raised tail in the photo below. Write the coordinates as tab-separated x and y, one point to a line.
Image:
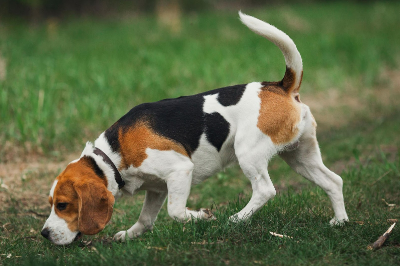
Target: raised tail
294	65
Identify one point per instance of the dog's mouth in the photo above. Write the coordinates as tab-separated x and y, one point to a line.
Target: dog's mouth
78	236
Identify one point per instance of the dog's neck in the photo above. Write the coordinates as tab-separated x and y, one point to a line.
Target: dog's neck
108	162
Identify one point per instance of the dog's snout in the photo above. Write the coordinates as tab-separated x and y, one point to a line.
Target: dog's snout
45	233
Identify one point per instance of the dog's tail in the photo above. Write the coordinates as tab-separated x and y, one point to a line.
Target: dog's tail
294	65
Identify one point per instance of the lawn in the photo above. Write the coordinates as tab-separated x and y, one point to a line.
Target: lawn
67	81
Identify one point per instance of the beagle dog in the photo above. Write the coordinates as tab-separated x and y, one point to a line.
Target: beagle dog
166	147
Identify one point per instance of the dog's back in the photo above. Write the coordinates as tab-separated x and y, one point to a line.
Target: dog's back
204	126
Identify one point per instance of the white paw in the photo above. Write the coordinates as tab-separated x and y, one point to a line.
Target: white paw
206	214
336	222
239	217
236	218
120	236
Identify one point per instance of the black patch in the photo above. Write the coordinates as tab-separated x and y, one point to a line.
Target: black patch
90	162
231	95
181	119
285	85
111	135
217	129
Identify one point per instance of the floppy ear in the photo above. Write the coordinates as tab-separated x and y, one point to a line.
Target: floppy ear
95	207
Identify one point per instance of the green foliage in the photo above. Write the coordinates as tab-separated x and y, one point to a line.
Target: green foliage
68	82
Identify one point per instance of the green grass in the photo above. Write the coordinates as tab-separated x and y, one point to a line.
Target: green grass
67	86
69	82
303	214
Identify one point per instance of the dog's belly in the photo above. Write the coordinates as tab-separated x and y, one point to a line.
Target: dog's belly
208	160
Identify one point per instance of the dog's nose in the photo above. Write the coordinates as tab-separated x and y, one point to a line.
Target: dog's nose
46	233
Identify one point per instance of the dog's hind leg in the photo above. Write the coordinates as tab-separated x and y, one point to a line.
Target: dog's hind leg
253	159
151	207
306	160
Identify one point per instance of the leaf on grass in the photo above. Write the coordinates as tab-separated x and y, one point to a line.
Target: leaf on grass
359	222
392	221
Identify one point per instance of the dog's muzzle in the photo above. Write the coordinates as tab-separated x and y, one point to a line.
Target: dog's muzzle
45	233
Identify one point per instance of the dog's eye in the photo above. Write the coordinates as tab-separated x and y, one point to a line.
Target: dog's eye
61	206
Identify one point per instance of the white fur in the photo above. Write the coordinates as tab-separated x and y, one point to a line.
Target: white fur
53	188
112	185
280	39
60	234
102	143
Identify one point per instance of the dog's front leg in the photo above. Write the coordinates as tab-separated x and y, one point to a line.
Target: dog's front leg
179	184
151	207
263	190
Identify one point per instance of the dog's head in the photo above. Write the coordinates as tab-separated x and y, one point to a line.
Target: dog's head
80	202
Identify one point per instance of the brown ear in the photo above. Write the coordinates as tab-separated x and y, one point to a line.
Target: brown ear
95	206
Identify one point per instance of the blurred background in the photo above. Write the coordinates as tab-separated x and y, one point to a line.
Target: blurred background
37	10
69	69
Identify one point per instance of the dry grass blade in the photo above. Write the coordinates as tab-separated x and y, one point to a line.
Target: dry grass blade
388	204
279	235
379	178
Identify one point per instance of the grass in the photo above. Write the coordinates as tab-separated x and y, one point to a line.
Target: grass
303	215
69	81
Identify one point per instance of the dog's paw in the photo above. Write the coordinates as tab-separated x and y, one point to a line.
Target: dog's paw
121	236
239	218
206	214
336	222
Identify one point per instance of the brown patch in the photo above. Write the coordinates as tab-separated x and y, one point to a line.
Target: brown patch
289	80
86	196
279	115
65	193
51	200
95	206
136	140
287	84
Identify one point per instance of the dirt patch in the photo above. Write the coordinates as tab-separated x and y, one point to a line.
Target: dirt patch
337	107
25	185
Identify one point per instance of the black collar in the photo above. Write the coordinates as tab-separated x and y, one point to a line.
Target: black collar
107	160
